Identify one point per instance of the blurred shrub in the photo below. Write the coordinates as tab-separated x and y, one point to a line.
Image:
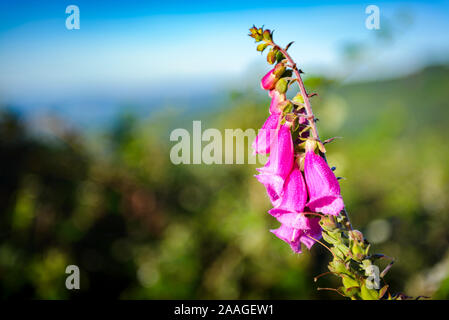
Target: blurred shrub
140	227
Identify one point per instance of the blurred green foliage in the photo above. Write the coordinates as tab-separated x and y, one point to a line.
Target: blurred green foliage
138	226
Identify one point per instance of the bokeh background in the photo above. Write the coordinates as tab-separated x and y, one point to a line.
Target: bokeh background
85	120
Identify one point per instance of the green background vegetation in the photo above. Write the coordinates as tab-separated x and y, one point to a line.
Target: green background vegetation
112	203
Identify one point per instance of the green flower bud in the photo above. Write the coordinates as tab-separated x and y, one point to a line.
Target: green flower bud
282	85
329	238
298	98
279	70
253	30
356	235
338	266
358	251
328	223
267	35
261	47
287	107
279	56
271	57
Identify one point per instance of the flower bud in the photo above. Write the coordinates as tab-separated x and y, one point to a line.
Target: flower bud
279	56
261	47
310	145
277	102
328	224
298	98
287	107
356	235
253	30
290	117
282	85
268	81
279	70
271	56
267	35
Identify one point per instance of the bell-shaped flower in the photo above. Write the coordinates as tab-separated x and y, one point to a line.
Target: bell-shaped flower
307	234
279	164
269	80
294	196
277	99
322	185
266	135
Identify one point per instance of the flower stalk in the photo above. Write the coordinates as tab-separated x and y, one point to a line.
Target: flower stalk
303	189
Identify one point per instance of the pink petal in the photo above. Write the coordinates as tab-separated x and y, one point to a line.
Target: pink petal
289	235
327	204
268	81
266	135
293	220
323	187
294	236
279	164
276	99
294	197
314	231
273	184
280	160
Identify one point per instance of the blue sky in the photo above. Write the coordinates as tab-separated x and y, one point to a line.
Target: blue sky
127	49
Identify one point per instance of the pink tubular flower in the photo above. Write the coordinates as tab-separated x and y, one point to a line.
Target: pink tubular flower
323	187
269	80
294	196
266	135
279	164
310	231
276	99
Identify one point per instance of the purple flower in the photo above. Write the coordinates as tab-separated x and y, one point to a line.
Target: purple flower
269	80
294	196
323	187
279	164
276	99
266	135
309	232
